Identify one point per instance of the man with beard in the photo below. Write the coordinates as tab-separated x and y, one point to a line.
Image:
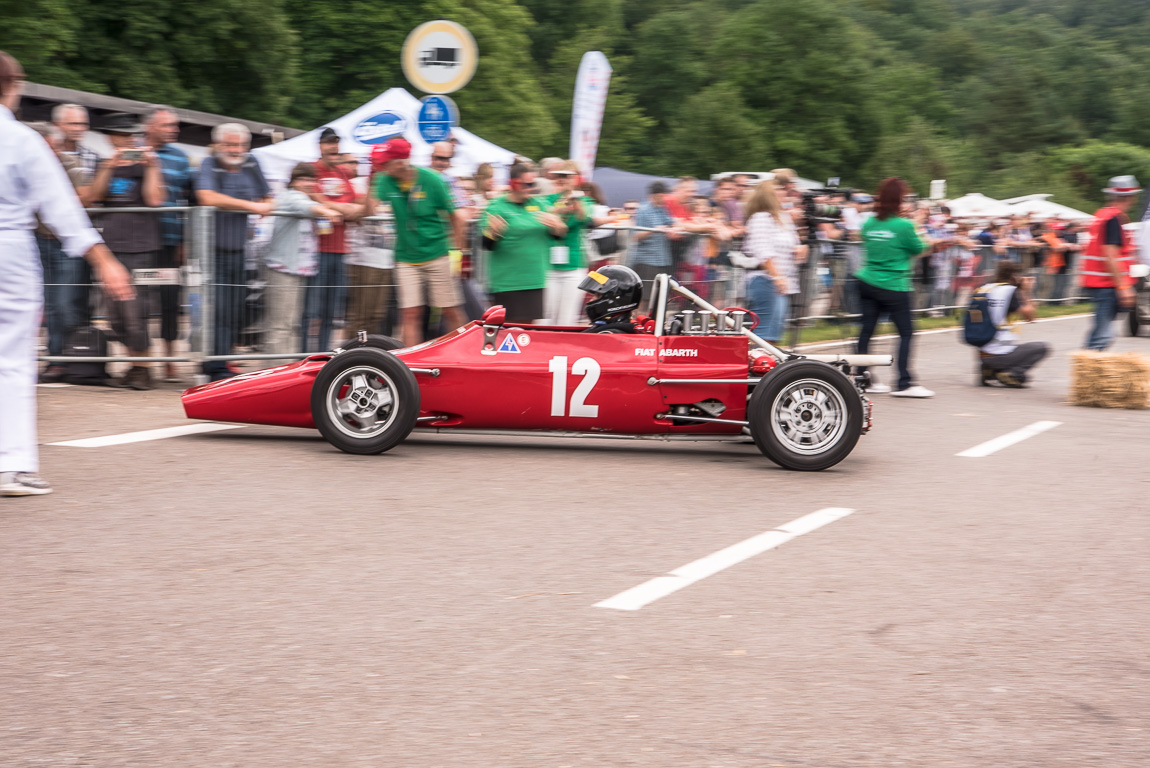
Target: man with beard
230	180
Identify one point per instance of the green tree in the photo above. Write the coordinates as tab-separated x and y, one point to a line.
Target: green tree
235	57
42	35
812	102
713	132
670	60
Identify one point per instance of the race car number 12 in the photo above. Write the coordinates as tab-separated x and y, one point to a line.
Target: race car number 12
585	367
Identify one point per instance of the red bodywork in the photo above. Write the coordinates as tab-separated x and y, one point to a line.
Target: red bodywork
535	378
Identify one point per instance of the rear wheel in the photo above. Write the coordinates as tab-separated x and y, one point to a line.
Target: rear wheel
1133	322
805	415
365	401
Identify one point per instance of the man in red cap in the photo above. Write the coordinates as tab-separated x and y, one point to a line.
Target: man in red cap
421	206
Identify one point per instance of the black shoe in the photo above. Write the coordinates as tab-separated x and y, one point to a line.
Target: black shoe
53	374
987	376
1007	380
137	377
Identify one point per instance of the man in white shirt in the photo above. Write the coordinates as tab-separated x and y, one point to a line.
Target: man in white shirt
1004	359
33	183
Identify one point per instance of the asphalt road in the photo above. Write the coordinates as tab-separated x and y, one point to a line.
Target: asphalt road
255	598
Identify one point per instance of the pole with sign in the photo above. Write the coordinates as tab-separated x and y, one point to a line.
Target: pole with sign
587	109
439	57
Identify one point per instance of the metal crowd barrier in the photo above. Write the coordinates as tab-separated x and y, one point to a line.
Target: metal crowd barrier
233	307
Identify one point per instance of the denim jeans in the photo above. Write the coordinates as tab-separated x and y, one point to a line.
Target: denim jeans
228	293
764	299
1105	311
66	288
325	298
880	301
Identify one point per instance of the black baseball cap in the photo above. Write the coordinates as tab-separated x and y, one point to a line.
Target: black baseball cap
328	134
121	122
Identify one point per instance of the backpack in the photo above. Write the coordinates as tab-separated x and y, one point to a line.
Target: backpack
86	342
978	329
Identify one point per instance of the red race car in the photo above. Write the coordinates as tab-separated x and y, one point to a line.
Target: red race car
688	374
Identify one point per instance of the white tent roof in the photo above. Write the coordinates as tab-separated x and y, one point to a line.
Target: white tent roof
978	206
277	160
1039	205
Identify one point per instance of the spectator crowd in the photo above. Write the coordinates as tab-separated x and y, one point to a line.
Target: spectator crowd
390	248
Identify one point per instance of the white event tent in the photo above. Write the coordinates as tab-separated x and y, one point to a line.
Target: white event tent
975	205
1039	205
277	160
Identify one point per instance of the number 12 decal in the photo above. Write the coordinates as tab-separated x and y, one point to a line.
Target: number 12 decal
585	367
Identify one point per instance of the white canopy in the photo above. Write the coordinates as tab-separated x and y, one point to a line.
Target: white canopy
979	206
1039	205
277	160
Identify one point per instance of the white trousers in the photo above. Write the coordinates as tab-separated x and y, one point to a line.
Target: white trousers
562	299
21	296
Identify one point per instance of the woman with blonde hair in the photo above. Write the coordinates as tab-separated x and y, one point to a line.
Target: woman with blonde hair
771	247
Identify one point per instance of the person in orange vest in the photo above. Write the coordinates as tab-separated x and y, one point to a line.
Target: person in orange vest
1107	259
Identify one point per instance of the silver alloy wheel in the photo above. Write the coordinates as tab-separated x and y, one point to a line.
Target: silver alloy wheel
361	401
809	416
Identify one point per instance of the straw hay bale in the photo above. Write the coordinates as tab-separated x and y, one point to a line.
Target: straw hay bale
1110	379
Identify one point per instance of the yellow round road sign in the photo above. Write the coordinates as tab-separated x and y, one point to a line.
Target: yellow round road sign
439	57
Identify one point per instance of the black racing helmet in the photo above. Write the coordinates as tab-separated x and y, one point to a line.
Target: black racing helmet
616	291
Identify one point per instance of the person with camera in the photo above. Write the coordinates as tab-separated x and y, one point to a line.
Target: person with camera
891	247
519	230
562	299
131	178
1003	359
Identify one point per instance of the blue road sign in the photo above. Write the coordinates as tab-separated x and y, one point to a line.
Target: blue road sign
437	117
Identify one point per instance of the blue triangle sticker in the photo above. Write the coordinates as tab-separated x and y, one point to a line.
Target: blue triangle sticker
509	344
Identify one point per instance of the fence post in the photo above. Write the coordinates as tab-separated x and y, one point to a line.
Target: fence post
201	280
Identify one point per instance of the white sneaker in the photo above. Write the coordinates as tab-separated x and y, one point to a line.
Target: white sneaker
915	391
23	484
877	389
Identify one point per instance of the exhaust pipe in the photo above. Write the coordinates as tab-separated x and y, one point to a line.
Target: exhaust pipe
860	361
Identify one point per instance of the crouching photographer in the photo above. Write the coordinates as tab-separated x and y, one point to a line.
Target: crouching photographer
1003	359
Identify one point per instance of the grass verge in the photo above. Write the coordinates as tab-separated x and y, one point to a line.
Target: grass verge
830	330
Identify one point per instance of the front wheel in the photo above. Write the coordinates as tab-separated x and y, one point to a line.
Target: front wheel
805	415
365	401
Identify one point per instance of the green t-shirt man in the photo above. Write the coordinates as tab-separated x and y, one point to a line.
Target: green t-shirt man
422	211
891	248
519	258
578	222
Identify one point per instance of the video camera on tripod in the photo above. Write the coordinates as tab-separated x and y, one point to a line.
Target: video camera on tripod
819	213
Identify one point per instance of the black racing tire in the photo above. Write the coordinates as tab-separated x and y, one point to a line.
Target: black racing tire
805	415
374	341
1133	322
365	401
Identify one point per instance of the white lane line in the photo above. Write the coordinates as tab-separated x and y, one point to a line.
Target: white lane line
1017	436
149	434
650	591
54	385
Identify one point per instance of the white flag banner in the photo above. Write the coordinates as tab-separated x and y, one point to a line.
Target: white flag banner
587	110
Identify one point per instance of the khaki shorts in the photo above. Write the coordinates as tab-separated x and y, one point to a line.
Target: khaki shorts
442	290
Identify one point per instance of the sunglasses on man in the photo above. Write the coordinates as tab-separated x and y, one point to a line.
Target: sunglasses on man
441	158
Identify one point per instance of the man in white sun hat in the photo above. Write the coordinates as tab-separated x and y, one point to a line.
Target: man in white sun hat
1107	259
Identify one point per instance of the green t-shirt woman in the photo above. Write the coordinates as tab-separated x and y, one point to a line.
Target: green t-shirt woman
891	247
